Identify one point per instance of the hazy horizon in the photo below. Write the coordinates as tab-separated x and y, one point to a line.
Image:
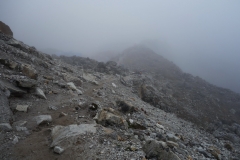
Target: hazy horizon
201	37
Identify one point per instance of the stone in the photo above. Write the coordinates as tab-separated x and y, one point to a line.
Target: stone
5	127
228	146
93	106
18	128
62	114
172	144
15	140
39	93
125	107
72	86
22	108
79	92
58	149
215	152
13	89
43	119
136	125
52	108
27	83
48	77
90	78
160	126
114	85
154	149
62	133
9	63
131	121
172	137
108	117
29	71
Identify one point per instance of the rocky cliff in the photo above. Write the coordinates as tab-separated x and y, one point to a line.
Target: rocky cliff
5	29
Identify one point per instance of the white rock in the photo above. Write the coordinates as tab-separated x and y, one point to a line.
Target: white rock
18	128
79	92
15	140
160	126
43	119
61	133
58	149
131	121
22	108
40	93
52	108
114	85
72	86
5	127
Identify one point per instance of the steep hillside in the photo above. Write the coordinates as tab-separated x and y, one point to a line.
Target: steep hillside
170	89
78	108
145	60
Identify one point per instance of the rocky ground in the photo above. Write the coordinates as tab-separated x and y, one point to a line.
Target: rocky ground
54	110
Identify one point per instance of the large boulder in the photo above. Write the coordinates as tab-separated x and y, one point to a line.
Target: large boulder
109	117
125	107
27	83
9	63
5	29
155	149
4	85
29	71
64	135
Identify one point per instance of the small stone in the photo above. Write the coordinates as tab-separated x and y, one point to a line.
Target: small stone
160	126
93	106
18	128
79	92
114	85
62	114
172	144
15	140
58	149
172	137
130	121
5	127
52	108
43	119
40	93
22	108
133	148
90	146
72	86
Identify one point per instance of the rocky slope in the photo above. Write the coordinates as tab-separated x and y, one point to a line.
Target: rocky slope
51	109
166	87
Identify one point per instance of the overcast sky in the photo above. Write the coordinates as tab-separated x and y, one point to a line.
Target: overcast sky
202	36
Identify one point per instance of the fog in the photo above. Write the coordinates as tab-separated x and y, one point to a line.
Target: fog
201	37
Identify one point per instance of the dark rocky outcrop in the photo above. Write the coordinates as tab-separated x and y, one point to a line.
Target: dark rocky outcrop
5	29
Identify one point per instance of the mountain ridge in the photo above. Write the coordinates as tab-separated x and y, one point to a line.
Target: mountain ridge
78	108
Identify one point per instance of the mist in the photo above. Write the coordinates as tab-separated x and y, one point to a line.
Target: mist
201	37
